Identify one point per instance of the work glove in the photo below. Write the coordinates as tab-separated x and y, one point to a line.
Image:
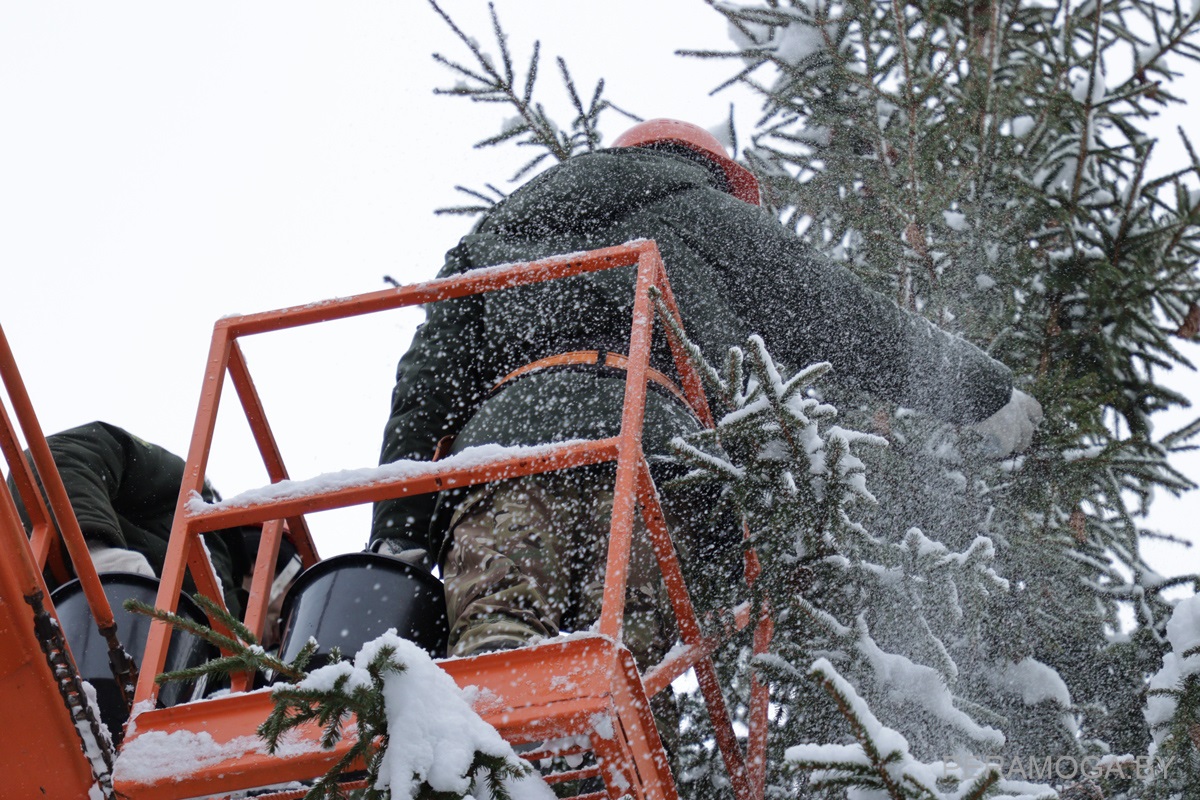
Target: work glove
403	550
1010	430
119	559
279	587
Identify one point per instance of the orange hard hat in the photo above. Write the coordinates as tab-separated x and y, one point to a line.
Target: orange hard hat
742	183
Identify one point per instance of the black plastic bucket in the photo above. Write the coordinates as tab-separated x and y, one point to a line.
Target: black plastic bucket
90	649
348	600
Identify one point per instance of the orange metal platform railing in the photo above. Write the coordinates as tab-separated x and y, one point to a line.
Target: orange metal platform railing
38	676
631	760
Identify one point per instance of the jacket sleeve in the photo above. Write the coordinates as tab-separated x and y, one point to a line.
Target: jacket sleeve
102	468
808	308
438	384
123	491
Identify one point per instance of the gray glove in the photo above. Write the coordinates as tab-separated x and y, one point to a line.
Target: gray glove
117	559
1010	430
403	551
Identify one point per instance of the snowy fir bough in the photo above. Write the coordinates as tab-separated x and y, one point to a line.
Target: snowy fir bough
1173	710
485	81
413	729
868	627
989	165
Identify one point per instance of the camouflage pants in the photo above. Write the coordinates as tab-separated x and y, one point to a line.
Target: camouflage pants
527	558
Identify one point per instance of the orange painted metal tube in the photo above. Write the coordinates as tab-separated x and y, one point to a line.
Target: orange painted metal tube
764	631
260	584
260	591
693	388
690	632
23	574
476	281
256	415
30	687
60	503
629	447
22	477
756	743
440	475
231	722
668	560
42	755
181	543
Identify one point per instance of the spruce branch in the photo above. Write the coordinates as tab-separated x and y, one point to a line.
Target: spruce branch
709	377
244	653
346	705
485	81
331	707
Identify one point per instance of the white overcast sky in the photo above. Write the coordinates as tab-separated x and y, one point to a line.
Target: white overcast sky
166	164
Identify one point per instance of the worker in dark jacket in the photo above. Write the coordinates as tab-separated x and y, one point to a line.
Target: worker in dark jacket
521	558
123	491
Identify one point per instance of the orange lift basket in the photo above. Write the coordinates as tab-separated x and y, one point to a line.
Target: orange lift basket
63	755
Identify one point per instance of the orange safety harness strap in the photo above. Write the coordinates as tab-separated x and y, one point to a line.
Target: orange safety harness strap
594	358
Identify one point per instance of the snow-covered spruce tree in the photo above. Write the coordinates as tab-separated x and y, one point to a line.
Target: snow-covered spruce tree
1173	710
987	164
862	668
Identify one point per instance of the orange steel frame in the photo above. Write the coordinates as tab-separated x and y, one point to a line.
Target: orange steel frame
29	689
528	710
41	539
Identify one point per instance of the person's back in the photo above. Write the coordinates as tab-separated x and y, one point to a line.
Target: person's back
734	271
123	491
524	558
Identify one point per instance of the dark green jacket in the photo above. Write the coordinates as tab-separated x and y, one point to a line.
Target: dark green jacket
734	271
123	491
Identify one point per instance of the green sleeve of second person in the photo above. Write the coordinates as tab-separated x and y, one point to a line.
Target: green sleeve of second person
438	385
123	491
